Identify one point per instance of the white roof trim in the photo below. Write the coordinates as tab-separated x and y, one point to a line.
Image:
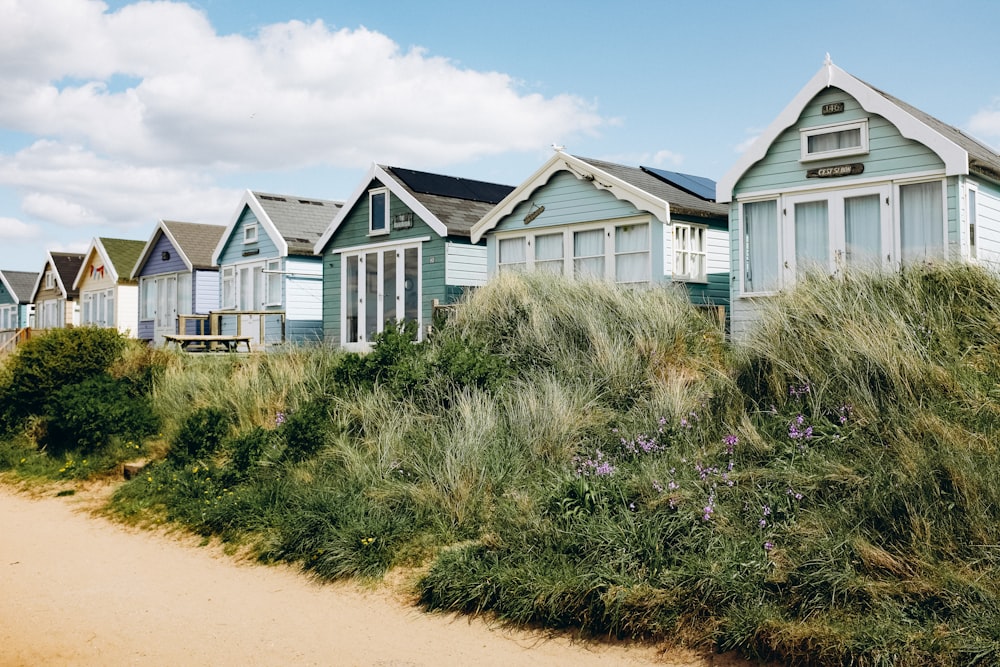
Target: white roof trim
97	246
376	172
638	197
249	199
955	158
160	228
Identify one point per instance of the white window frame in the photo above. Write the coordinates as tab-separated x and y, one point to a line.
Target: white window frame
8	317
897	220
147	298
228	298
374	192
250	234
972	219
515	266
699	235
742	246
50	280
380	249
610	256
272	277
806	133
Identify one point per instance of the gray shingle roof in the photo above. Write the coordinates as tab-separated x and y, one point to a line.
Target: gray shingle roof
980	155
21	284
67	265
681	202
458	214
301	221
197	241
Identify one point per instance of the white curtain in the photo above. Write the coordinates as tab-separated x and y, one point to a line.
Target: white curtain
184	296
760	246
513	254
921	221
632	254
549	253
862	231
832	141
588	253
812	237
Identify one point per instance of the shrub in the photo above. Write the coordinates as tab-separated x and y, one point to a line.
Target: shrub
306	430
87	415
200	434
247	449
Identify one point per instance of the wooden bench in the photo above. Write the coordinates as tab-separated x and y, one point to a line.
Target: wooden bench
208	342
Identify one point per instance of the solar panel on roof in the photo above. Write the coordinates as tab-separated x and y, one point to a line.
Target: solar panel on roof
699	186
451	186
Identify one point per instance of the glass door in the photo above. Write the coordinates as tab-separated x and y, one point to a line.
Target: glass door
380	288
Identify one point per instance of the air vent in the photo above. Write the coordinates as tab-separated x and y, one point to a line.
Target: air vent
309	201
272	198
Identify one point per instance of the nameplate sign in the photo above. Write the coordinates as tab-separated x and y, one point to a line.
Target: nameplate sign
833	107
839	170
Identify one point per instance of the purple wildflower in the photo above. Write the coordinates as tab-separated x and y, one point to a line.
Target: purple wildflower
730	441
768	546
279	419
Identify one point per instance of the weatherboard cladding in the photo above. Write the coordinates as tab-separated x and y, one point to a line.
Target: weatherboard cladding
155	265
300	221
233	251
21	284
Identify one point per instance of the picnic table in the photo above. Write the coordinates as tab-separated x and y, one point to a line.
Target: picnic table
208	342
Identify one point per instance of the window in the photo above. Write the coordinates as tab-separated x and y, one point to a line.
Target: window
98	308
272	280
513	256
921	221
250	234
147	298
382	287
632	254
8	317
549	253
760	247
689	253
812	236
973	195
828	141
378	212
588	253
50	280
228	287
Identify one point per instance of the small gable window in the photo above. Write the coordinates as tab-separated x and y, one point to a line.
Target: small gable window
378	212
250	234
831	141
50	280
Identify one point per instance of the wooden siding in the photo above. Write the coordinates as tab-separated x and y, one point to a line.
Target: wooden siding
889	153
567	200
127	309
988	224
205	291
354	232
465	264
232	251
155	264
303	291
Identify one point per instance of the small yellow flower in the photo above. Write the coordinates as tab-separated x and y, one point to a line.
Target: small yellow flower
23	460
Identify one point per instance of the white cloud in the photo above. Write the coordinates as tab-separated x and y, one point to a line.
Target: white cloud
295	94
667	158
747	143
986	123
12	229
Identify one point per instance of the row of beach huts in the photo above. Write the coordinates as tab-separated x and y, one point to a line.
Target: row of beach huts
847	175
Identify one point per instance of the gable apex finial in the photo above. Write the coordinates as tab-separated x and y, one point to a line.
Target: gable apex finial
828	63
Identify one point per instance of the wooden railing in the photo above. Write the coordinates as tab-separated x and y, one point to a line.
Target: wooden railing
10	342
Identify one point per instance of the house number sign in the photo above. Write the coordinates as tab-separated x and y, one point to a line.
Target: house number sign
839	170
833	107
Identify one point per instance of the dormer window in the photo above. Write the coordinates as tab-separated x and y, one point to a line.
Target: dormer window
378	211
250	234
830	141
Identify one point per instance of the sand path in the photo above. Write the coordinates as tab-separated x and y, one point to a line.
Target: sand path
81	590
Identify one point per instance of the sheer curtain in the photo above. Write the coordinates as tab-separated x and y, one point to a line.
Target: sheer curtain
632	254
862	231
760	246
513	254
549	253
832	141
921	221
812	237
588	253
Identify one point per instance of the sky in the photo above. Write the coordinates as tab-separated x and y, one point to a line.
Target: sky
117	114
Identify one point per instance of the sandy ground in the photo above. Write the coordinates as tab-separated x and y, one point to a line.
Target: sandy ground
76	589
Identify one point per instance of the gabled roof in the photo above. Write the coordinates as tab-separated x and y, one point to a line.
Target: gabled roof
19	284
293	223
119	256
66	265
194	241
449	205
637	186
956	149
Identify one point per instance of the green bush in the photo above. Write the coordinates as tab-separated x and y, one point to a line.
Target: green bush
201	434
306	430
247	449
87	415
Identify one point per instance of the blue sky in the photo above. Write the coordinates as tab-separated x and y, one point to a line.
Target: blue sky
114	115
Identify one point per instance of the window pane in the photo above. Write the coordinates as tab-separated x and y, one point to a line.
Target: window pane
377	211
588	253
273	282
351	300
184	294
921	221
631	238
389	287
760	246
812	237
832	141
862	230
972	223
513	254
549	253
632	254
371	295
411	288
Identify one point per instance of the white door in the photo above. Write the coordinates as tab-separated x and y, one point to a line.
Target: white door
381	287
165	321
